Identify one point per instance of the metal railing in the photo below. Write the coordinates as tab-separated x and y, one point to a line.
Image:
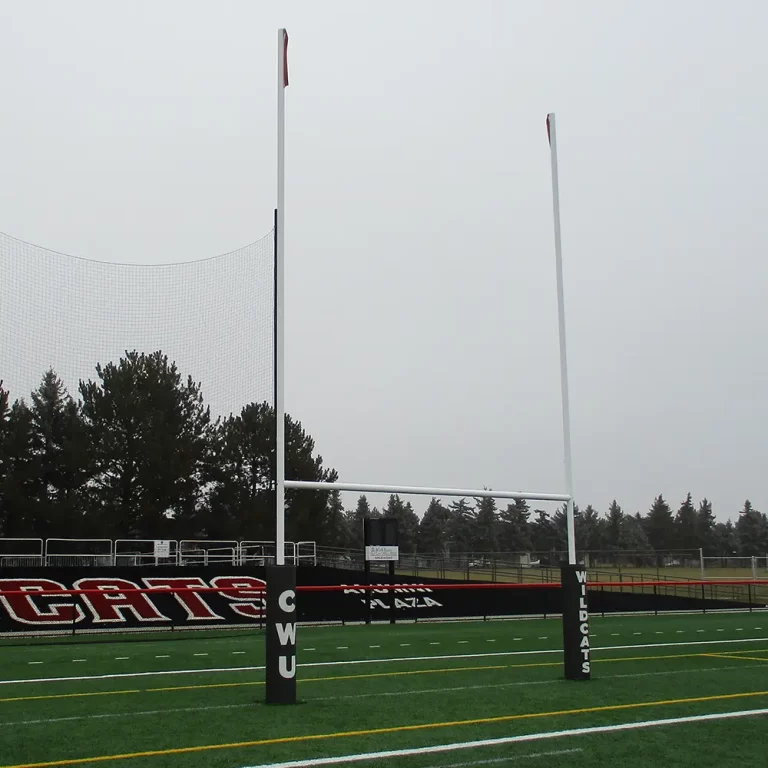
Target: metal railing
23	552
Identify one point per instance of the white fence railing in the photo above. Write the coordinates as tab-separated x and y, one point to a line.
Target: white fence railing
19	552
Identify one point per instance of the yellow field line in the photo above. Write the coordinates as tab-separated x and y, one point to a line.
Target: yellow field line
737	658
70	695
207	686
391	729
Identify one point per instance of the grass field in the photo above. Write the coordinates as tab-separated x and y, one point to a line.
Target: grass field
168	703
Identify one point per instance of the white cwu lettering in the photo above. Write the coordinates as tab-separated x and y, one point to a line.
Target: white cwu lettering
286	601
283	667
286	634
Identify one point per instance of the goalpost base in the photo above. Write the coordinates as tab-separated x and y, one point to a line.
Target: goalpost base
281	635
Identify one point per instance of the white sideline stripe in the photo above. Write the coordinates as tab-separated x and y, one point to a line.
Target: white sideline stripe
362	695
166	656
495	654
510	740
494	760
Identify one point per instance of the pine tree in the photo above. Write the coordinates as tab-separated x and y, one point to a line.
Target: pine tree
60	454
434	530
514	528
660	526
752	531
17	473
544	534
726	540
632	536
486	526
615	518
336	533
560	519
461	526
151	436
706	536
590	532
407	522
241	498
686	534
355	519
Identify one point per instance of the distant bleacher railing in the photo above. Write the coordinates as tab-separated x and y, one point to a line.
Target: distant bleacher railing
21	552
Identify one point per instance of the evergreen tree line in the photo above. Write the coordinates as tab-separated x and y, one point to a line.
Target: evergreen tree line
138	455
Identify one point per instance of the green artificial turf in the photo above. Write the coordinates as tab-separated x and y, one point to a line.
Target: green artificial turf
440	676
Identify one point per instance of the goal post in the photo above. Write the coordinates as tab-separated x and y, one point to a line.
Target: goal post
573	577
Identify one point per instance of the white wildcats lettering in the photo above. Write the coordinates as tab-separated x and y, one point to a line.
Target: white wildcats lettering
196	607
22	608
581	577
286	634
248	599
110	599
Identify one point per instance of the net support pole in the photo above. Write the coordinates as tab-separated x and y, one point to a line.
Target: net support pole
571	528
282	612
282	77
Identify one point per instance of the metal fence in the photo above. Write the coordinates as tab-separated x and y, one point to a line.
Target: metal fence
82	553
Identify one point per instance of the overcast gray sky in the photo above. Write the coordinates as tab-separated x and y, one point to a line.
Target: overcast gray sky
421	312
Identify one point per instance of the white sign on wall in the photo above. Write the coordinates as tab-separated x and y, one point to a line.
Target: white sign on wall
162	548
382	553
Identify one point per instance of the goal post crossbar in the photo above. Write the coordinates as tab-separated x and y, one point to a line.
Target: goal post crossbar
405	490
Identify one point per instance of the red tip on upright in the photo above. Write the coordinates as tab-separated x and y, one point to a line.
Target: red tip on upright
285	59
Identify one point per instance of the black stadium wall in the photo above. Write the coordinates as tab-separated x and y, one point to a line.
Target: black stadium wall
234	599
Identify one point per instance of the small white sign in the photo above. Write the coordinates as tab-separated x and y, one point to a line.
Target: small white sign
382	553
162	548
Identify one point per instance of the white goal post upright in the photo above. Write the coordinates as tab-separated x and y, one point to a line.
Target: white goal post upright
552	134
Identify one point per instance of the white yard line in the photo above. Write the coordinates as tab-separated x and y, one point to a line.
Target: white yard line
496	760
452	689
400	659
541	736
